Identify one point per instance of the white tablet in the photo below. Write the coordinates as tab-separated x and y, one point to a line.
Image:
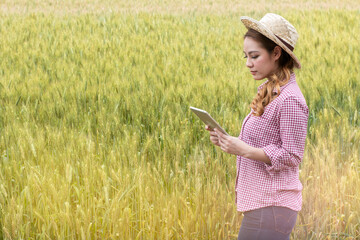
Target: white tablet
207	119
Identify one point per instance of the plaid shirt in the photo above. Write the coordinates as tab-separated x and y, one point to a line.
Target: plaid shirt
281	133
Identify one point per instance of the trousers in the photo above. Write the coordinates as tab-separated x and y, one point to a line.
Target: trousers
268	223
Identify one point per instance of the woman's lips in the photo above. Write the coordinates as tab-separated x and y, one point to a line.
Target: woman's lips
253	72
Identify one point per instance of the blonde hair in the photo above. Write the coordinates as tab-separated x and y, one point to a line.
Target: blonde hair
271	89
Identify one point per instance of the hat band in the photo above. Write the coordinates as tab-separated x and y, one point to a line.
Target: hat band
285	43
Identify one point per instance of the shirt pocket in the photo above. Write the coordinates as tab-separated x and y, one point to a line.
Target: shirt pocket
261	131
255	130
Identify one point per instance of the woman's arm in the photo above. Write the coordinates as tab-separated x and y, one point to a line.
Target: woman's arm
293	129
235	146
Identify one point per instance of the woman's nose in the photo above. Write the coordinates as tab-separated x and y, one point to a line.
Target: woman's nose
248	62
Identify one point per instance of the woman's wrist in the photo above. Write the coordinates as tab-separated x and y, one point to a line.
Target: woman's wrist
249	152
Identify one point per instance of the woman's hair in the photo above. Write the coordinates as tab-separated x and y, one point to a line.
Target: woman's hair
276	80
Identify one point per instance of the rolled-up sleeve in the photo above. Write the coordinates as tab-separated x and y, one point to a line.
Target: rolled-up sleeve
293	114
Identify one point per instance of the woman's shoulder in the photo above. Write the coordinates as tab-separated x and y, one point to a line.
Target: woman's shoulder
293	101
292	95
292	91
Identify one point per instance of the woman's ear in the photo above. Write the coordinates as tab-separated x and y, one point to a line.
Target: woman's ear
277	52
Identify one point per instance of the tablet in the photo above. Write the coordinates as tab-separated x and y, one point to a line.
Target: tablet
207	119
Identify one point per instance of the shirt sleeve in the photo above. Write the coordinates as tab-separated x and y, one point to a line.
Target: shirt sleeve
293	129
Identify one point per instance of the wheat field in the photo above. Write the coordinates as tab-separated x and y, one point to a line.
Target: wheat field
97	140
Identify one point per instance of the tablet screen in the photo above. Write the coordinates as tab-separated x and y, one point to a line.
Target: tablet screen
207	119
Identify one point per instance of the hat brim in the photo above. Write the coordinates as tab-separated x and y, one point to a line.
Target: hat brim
261	28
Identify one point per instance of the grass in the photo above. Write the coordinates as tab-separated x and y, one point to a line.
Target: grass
97	141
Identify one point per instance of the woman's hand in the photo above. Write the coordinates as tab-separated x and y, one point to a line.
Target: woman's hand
213	136
232	145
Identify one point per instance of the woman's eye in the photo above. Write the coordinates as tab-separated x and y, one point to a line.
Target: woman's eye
252	57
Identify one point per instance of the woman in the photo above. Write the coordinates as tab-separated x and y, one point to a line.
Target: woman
272	138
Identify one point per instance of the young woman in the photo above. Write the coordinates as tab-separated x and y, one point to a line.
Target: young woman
272	138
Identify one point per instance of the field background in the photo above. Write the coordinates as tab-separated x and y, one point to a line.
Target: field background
96	138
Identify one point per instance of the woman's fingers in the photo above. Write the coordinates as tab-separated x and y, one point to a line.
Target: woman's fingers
226	142
207	127
219	133
214	137
215	141
212	133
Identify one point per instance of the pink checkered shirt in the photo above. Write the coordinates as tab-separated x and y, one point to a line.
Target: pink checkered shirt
281	133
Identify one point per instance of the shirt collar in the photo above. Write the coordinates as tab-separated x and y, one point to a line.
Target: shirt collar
291	80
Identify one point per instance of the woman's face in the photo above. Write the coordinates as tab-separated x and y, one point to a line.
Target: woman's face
260	62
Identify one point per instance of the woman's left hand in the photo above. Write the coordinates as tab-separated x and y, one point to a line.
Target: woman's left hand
232	145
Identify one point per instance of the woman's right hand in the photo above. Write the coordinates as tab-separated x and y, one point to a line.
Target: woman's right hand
213	136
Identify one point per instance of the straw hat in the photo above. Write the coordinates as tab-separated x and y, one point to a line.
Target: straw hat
277	29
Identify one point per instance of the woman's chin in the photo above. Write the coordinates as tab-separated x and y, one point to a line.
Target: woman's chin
258	77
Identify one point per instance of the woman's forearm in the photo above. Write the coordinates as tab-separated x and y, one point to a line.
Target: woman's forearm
234	145
257	154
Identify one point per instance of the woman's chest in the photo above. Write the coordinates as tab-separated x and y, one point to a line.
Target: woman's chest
263	129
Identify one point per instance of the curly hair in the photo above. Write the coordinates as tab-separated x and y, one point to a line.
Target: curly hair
271	89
